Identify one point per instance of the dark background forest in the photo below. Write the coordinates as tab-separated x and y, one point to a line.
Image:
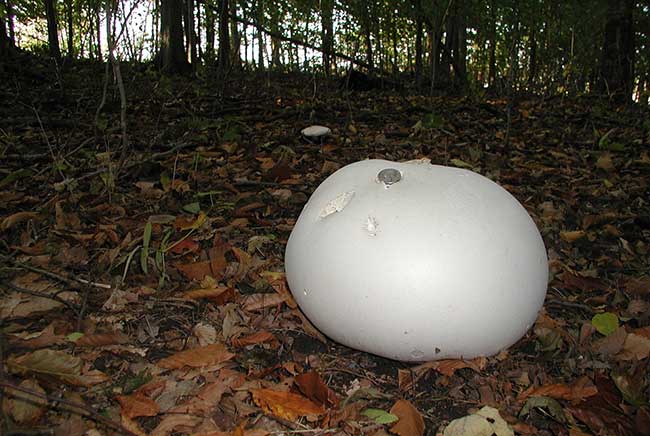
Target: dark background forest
549	47
153	164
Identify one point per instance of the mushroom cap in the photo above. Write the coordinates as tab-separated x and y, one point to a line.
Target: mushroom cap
415	262
316	131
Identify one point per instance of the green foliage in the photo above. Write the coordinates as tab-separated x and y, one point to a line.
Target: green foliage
380	416
605	323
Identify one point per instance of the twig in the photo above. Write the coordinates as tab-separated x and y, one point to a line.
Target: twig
73	282
570	304
13	287
89	412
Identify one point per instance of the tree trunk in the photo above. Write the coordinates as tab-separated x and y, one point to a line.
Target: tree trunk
532	63
492	42
155	24
617	60
327	34
173	58
4	37
69	17
444	68
419	33
224	38
395	60
513	72
276	43
190	35
367	32
644	90
460	45
197	34
260	35
98	30
209	31
235	36
9	19
52	29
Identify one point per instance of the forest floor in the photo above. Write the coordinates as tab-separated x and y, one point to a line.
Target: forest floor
142	284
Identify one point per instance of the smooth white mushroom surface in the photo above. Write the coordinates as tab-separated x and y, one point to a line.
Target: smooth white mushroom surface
315	131
414	262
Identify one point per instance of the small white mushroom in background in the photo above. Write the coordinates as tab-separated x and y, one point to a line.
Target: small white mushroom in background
315	132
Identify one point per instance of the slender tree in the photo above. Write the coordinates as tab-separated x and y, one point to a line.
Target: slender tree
70	29
190	34
276	43
236	38
7	7
259	9
4	36
52	29
492	44
98	30
209	30
173	58
224	37
617	59
419	37
327	34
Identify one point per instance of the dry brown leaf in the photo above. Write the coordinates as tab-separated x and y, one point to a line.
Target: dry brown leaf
449	366
17	218
313	387
286	405
408	377
42	339
308	327
197	357
591	220
205	333
636	346
255	302
119	299
638	286
137	404
605	162
73	425
255	338
218	295
204	402
410	421
572	236
582	388
56	364
176	423
23	407
64	220
278	281
102	339
198	270
582	283
132	426
611	344
19	305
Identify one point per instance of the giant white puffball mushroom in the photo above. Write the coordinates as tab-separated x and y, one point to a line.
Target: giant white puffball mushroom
414	262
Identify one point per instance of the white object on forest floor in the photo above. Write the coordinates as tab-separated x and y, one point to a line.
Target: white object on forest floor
316	131
417	262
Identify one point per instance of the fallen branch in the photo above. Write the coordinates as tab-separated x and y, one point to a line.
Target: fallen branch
82	409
